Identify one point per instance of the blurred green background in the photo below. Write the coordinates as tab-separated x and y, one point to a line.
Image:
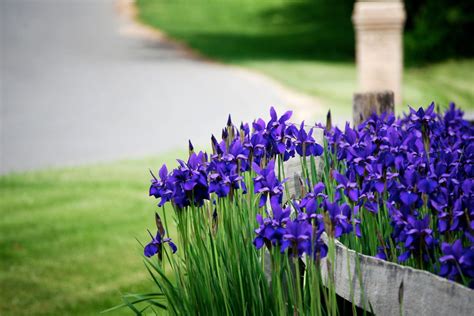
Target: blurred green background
77	252
308	45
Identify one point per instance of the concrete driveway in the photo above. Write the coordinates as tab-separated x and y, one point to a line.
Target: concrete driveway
80	84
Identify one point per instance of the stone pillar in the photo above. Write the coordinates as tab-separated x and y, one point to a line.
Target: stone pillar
379	45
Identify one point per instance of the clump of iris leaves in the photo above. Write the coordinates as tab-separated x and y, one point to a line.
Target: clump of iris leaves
400	189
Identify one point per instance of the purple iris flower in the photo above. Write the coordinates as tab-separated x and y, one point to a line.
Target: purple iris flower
223	177
456	260
244	129
190	181
381	179
305	143
237	153
298	237
267	183
346	142
309	202
161	188
275	141
320	249
382	251
272	227
422	116
408	198
225	134
275	133
340	216
350	135
256	145
427	186
277	121
350	188
419	238
259	125
370	202
453	218
218	149
155	246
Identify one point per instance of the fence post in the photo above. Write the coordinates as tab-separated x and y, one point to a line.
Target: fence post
379	45
364	104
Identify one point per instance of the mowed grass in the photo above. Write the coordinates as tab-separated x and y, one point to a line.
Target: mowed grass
68	237
307	45
335	83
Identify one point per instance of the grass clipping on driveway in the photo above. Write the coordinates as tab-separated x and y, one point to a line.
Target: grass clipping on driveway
307	45
68	237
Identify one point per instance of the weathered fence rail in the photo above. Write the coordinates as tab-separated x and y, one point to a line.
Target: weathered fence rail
390	289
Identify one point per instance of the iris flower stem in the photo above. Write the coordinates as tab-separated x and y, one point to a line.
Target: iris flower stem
331	260
165	220
282	177
280	165
314	170
463	278
299	294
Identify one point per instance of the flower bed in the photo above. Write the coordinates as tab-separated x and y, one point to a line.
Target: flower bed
397	189
413	179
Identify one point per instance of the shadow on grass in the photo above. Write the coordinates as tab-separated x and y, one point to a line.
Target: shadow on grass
302	30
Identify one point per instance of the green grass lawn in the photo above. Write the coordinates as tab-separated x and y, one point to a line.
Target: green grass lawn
307	45
67	237
335	83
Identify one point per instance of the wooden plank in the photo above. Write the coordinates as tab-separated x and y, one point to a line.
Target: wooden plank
391	289
364	104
